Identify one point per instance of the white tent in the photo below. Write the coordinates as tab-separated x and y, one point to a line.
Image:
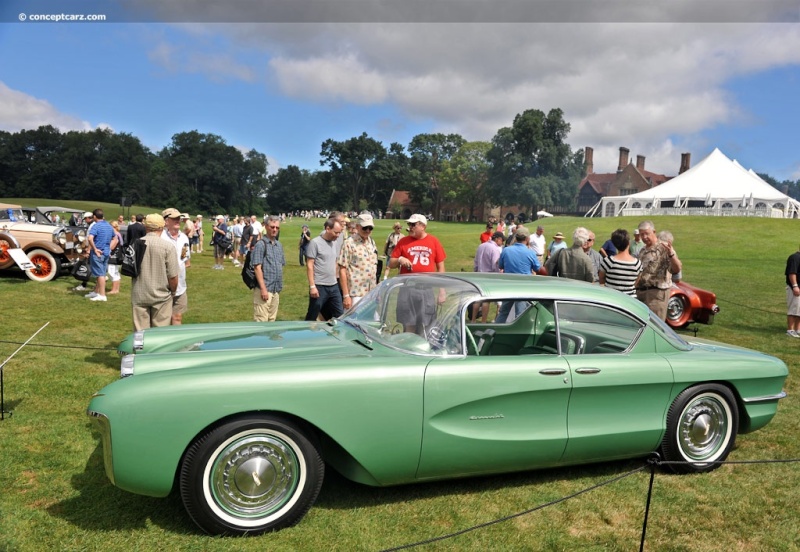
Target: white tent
715	186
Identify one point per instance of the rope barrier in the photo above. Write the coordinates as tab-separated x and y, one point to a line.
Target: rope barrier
61	346
651	464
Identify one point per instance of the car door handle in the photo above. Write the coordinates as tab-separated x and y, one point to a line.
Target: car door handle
552	371
587	370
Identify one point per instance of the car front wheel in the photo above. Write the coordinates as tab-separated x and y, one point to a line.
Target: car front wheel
46	265
679	311
249	476
701	428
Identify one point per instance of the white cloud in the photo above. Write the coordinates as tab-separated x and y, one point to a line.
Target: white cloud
20	111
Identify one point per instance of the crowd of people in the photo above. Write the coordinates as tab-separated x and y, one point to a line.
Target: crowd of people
343	262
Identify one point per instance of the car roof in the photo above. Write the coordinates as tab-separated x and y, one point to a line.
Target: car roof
9	206
62	209
547	287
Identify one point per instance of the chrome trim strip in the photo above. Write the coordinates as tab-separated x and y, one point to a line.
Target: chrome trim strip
765	398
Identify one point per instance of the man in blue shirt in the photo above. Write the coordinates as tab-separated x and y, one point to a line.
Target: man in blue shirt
100	237
268	260
517	259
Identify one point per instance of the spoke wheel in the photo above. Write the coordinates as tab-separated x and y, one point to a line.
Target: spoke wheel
249	476
679	311
46	266
701	428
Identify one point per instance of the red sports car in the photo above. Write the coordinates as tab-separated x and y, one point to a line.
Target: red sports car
690	304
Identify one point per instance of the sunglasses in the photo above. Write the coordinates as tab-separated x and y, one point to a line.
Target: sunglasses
367	228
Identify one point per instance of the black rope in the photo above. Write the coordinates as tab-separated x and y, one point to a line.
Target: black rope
518	514
61	346
749	307
651	464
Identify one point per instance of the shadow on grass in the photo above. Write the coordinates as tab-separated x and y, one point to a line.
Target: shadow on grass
106	357
100	506
339	493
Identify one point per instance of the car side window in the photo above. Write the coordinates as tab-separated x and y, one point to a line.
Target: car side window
585	328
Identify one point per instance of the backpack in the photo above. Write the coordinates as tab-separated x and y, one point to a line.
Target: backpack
248	270
132	255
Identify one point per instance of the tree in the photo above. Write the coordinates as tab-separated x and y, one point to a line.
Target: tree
532	165
254	185
430	154
351	163
465	177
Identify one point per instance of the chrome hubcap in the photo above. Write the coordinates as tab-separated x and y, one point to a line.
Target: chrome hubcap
675	308
703	429
254	476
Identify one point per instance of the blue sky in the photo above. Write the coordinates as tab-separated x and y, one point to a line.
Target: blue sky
659	86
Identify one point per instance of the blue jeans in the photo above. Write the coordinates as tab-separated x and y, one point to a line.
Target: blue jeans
329	303
505	310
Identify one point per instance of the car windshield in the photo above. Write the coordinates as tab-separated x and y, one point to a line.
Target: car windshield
418	314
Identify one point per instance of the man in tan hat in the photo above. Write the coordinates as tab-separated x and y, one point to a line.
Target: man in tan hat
556	244
151	292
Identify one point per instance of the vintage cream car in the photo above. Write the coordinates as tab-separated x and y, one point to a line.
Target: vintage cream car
50	248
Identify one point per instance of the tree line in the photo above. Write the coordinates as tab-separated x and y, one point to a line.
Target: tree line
528	164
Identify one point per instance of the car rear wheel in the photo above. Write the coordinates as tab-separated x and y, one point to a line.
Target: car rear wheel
701	428
679	311
46	265
249	476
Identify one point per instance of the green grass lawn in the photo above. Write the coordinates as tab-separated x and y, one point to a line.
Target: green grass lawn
54	494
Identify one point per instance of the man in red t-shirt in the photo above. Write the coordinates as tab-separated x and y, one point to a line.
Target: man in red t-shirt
417	252
487	234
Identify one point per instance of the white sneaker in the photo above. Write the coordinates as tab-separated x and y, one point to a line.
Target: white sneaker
80	288
91	295
792	333
98	298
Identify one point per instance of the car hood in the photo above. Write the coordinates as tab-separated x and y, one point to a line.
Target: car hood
254	345
237	336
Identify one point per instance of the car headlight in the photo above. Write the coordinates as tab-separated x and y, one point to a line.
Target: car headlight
60	237
138	340
81	234
126	366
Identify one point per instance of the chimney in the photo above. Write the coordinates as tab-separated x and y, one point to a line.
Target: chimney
640	162
623	158
588	160
686	161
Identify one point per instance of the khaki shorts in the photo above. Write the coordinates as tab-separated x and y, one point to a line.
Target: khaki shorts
180	304
792	303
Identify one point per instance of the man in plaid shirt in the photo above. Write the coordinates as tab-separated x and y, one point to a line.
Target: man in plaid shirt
268	261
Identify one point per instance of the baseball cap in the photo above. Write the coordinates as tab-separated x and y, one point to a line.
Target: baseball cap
522	233
365	220
154	221
418	218
172	212
87	214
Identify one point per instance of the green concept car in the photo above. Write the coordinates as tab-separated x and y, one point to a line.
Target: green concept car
428	377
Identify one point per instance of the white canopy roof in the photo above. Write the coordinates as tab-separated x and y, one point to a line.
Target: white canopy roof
716	181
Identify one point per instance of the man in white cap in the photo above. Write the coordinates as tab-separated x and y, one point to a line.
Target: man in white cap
358	262
417	252
180	241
